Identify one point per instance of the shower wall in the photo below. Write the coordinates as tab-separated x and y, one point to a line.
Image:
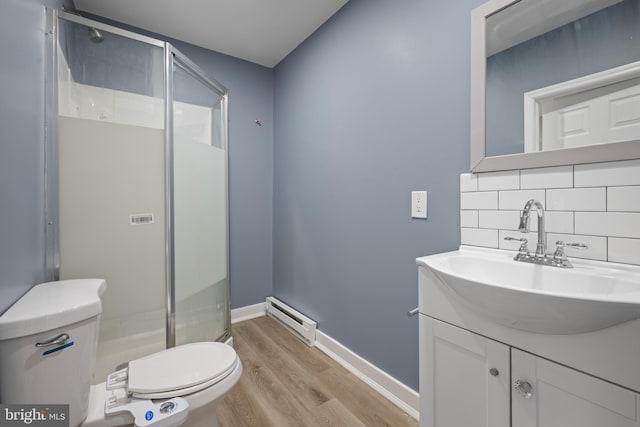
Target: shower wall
111	166
108	171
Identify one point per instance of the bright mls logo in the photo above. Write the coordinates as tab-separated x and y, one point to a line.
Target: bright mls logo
34	415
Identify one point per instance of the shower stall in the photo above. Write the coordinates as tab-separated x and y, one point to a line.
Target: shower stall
137	186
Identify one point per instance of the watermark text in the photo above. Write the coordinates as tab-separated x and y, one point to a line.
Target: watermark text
13	415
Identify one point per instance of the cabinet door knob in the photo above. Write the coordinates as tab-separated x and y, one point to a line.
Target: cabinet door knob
494	372
524	388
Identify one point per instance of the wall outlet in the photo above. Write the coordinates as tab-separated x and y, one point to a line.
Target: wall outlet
419	204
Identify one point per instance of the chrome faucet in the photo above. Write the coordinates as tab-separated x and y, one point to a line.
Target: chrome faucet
559	259
541	248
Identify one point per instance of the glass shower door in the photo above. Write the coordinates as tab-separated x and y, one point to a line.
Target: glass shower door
111	193
200	237
141	188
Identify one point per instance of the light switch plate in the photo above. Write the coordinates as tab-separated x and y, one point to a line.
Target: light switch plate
419	204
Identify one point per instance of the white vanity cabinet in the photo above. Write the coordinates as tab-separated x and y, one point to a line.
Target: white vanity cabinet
464	378
468	380
563	397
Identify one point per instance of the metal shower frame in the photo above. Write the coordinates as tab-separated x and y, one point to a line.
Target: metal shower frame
172	56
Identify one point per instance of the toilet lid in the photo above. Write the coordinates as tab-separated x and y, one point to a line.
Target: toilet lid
182	369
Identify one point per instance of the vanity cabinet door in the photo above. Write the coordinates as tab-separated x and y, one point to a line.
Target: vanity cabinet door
562	397
464	378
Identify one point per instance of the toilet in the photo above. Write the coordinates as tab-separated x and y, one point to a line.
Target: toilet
49	338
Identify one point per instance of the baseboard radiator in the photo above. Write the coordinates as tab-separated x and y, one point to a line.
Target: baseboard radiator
303	327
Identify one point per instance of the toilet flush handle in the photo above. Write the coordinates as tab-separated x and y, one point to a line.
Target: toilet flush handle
60	339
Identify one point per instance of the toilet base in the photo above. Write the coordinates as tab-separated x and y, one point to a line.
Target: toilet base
201	405
204	416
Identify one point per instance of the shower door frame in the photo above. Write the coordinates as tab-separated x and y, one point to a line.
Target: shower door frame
174	56
171	55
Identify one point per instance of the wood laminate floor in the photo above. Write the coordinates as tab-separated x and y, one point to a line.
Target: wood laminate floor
286	383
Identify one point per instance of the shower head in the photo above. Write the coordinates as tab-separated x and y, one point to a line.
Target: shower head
94	35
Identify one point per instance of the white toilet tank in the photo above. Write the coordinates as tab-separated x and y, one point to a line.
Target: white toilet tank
35	368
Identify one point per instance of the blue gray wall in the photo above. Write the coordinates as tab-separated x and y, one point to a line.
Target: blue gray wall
22	238
597	42
374	105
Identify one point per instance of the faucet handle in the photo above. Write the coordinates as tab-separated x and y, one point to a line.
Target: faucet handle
523	245
559	255
562	245
581	246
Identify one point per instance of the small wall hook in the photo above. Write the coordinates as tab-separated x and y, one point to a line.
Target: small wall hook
258	122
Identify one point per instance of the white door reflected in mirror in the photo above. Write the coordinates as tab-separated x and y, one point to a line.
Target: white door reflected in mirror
601	108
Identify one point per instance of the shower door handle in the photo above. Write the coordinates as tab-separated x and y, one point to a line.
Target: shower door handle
413	312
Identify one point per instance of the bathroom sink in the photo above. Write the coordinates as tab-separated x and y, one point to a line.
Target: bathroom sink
591	296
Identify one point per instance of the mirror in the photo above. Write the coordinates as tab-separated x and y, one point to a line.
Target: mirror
554	83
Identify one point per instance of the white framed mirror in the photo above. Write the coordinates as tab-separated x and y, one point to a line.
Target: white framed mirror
554	83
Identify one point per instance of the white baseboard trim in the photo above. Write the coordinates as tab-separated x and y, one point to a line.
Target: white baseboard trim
248	312
399	394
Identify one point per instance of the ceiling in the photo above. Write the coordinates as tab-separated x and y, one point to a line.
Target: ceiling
260	31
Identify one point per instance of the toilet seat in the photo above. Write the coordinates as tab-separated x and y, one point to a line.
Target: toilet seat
180	370
150	387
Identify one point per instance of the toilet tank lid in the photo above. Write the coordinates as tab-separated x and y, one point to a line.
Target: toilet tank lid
52	305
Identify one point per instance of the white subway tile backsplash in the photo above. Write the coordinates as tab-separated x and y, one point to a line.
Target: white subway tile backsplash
479	200
623	199
506	180
607	174
559	222
615	224
624	250
556	177
596	246
505	220
468	182
577	199
469	219
515	200
594	204
479	237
